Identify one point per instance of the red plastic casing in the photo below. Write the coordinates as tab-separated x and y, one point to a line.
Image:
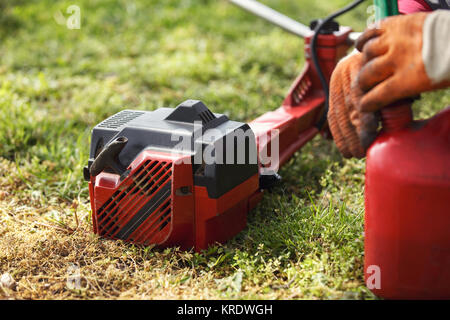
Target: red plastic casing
407	210
115	202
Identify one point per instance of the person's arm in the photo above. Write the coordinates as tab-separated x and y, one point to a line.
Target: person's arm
436	46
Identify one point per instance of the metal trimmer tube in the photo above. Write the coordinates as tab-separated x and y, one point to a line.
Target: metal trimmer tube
279	19
273	17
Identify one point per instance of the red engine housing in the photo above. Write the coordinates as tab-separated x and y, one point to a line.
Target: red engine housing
157	203
149	187
407	216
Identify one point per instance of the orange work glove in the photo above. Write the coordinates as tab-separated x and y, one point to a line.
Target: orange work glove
395	61
350	128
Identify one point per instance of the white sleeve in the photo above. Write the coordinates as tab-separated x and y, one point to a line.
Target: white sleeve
436	45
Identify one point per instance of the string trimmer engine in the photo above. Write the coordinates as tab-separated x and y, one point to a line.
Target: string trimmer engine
188	177
155	178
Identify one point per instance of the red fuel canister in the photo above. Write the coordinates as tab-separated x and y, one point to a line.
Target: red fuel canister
407	207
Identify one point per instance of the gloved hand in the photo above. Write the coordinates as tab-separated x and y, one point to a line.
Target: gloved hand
401	58
349	127
396	63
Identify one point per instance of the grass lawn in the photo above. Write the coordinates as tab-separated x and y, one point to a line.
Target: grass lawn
305	240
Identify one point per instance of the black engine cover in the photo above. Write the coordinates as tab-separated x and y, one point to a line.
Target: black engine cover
189	128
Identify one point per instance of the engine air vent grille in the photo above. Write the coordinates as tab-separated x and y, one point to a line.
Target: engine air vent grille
120	119
141	212
301	90
207	116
